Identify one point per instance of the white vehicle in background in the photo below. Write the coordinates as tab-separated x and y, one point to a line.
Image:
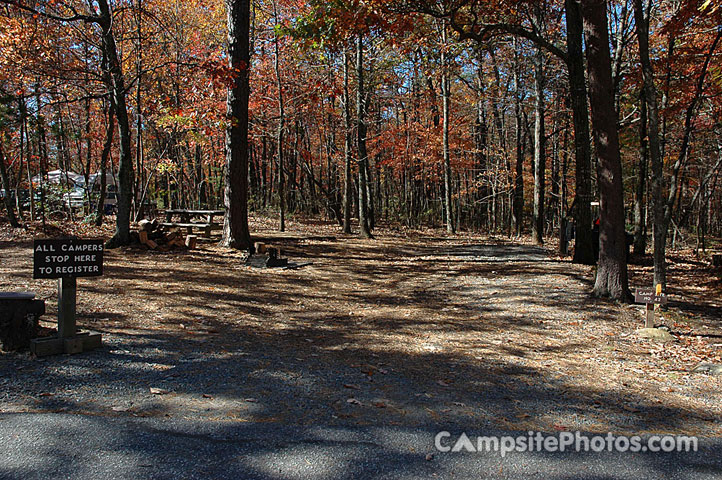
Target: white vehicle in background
76	191
75	198
110	205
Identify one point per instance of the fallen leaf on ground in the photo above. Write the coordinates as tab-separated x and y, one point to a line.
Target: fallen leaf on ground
158	391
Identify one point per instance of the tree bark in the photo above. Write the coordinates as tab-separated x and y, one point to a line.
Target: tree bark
611	279
539	151
235	226
125	167
104	156
347	180
446	94
659	232
583	250
518	201
361	132
42	152
6	186
280	131
640	221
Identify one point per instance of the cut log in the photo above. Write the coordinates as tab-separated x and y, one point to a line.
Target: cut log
146	226
143	237
151	244
259	247
191	241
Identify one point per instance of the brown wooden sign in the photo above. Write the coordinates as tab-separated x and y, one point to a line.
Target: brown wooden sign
649	296
67	258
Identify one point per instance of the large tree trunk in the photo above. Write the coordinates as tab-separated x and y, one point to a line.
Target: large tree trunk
518	202
6	186
347	180
611	280
42	152
235	226
583	250
539	150
361	132
446	94
640	221
280	131
139	160
104	156
659	232
125	167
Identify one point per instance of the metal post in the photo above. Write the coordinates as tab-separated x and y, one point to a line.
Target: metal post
66	307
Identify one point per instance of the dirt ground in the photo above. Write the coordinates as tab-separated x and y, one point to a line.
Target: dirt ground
410	328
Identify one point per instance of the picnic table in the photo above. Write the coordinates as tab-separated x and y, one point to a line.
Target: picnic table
203	220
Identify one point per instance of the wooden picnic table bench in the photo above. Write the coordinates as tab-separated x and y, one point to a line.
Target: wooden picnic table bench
188	220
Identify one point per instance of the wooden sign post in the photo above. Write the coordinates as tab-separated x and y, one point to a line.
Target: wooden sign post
67	259
650	297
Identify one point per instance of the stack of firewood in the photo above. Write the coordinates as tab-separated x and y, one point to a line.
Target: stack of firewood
156	237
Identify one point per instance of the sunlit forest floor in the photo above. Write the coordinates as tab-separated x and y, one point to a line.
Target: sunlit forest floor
413	328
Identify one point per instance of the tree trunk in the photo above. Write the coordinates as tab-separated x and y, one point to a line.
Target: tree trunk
446	94
125	167
104	156
659	232
611	279
583	249
371	212
6	186
235	226
347	180
518	202
640	220
539	151
361	132
25	140
139	160
280	131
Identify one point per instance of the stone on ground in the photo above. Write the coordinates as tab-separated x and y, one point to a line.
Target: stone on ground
656	334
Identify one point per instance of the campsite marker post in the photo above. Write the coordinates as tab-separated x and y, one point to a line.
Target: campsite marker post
650	297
